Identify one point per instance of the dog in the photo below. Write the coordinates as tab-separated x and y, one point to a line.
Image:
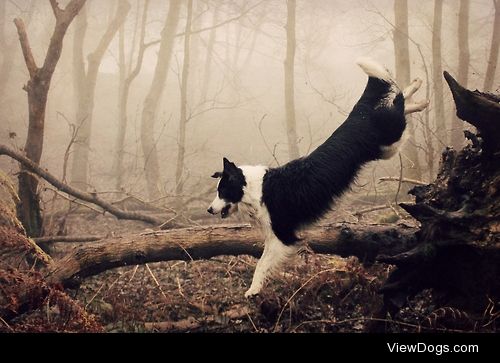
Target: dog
285	199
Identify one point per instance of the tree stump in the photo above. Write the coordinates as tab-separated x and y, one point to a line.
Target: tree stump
458	249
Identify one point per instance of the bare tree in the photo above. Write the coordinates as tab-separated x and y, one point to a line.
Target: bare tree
437	71
126	80
38	88
495	45
261	17
184	92
8	47
457	125
291	123
2	24
402	53
207	73
85	84
151	164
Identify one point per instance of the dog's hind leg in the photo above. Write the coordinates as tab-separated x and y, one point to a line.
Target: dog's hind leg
415	107
413	87
408	92
274	256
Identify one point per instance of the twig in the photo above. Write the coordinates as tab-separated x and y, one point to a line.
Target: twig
371	209
74	200
6	324
404	180
95	295
133	273
296	292
110	286
156	282
273	152
179	287
400	178
251	322
70	239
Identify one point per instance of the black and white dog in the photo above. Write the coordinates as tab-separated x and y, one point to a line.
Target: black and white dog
285	199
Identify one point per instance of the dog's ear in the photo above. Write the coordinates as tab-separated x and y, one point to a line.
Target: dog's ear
229	167
217	175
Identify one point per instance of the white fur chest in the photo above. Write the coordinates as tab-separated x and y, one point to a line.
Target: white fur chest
251	202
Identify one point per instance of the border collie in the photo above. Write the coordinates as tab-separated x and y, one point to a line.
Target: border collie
285	199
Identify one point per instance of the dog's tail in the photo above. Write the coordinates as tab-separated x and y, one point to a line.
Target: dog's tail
381	85
375	70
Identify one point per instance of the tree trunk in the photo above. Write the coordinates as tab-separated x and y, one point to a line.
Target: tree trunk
2	26
256	31
457	253
151	163
122	110
7	56
79	79
363	241
437	71
457	126
207	73
291	123
495	45
37	88
86	94
411	164
123	101
238	26
184	94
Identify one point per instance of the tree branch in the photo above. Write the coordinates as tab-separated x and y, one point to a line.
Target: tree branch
56	9
66	239
64	18
120	16
218	25
26	48
88	197
227	21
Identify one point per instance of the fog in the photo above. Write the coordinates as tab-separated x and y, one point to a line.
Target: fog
235	105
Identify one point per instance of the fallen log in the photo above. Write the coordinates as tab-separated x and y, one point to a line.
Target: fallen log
362	241
79	194
22	287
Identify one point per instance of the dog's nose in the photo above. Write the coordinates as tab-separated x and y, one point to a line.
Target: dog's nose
210	210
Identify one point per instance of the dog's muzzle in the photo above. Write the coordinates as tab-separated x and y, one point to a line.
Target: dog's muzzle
225	211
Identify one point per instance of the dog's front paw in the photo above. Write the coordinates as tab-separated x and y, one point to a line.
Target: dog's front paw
252	292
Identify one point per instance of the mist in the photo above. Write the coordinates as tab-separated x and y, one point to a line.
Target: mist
235	86
130	130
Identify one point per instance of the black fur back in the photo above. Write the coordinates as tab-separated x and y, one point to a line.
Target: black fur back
302	191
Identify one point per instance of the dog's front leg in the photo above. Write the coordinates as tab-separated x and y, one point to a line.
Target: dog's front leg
274	255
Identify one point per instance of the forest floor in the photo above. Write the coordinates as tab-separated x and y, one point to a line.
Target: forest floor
317	293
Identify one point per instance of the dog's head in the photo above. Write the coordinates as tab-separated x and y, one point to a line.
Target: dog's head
229	190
